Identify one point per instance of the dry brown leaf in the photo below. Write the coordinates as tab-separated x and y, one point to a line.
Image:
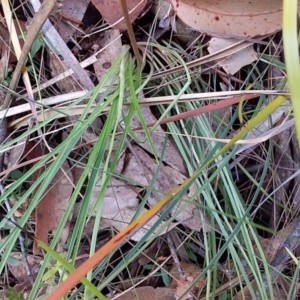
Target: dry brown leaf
172	156
21	208
111	11
19	271
148	293
233	63
236	17
272	245
52	206
181	284
111	40
119	207
187	212
182	287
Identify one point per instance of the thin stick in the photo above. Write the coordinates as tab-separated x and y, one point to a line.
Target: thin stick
130	32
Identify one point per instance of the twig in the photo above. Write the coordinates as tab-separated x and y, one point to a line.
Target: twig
130	32
177	263
36	25
174	256
61	47
3	133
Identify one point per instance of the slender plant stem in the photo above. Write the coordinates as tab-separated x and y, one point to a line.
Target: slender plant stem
130	32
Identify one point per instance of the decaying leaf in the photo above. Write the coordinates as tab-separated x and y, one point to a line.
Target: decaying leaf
186	211
235	18
71	13
172	156
119	207
272	245
52	206
148	293
244	294
19	272
16	153
111	11
121	200
183	283
234	63
21	209
111	40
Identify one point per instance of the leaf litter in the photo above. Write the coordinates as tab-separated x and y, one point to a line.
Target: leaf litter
138	168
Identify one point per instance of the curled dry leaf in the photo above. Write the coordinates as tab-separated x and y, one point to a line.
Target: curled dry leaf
111	11
235	17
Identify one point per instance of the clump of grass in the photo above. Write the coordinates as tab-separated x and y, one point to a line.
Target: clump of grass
234	240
